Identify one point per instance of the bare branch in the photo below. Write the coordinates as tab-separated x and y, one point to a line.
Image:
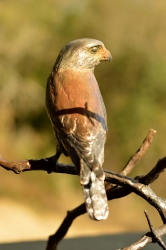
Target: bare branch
140	189
61	232
146	239
120	186
155	233
135	158
154	173
129	185
48	164
54	239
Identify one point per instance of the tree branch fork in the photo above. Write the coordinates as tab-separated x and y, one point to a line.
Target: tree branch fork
117	186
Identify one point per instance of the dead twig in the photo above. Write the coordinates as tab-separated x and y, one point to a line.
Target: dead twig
146	239
61	232
135	158
155	234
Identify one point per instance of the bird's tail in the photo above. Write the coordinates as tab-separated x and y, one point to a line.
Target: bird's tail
94	191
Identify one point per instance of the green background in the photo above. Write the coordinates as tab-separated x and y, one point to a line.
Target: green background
133	86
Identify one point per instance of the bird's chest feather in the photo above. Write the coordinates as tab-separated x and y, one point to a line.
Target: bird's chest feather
77	89
77	102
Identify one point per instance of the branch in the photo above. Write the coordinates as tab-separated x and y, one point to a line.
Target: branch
155	233
135	158
148	238
154	173
50	164
140	189
129	185
120	185
61	232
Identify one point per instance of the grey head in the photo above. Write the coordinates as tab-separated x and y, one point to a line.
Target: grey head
82	54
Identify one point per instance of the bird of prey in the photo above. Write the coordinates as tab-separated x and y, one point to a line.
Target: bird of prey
78	116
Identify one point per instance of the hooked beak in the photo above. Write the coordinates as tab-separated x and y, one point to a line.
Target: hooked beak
106	56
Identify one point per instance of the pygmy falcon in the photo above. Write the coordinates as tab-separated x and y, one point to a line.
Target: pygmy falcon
78	116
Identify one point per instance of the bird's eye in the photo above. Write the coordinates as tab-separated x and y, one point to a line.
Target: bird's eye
94	49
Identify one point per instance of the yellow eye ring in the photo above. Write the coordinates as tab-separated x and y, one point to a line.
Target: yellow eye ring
95	49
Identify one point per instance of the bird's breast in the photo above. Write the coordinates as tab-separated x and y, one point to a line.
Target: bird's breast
77	90
77	102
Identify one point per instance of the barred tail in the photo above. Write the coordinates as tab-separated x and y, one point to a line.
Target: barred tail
94	193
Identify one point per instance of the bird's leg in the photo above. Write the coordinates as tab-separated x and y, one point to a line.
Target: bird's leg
57	155
55	159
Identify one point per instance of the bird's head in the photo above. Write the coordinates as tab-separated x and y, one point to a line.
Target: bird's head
82	54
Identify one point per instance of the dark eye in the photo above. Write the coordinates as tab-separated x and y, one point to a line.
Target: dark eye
94	49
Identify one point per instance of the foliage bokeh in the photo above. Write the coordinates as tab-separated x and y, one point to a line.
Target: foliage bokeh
133	87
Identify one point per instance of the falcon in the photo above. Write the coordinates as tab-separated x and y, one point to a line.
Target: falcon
78	116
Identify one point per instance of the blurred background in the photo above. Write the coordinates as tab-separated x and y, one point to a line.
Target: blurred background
133	85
